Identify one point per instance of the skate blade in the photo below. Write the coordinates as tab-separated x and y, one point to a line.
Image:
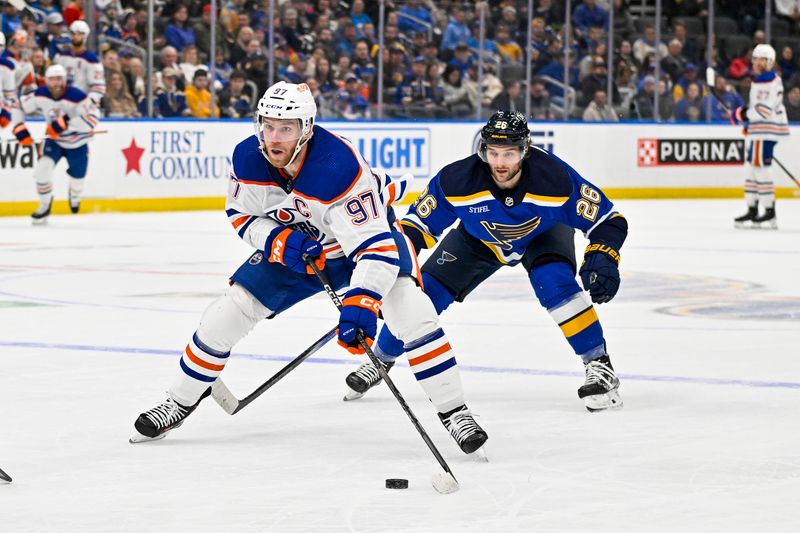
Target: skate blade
39	221
745	225
603	402
351	395
480	455
137	438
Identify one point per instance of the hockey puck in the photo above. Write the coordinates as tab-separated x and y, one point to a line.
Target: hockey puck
396	483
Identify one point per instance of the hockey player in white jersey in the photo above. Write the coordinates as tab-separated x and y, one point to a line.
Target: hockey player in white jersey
298	189
12	52
84	70
71	117
765	123
8	90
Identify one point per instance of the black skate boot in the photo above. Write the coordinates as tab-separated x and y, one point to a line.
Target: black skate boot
158	421
750	216
363	379
74	203
768	220
599	391
462	426
41	215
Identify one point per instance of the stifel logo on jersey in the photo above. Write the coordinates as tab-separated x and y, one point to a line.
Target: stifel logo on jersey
656	152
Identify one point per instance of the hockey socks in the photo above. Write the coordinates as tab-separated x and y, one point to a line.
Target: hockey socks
434	366
200	366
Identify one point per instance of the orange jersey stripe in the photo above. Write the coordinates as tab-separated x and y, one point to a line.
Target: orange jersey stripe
389	248
239	221
430	355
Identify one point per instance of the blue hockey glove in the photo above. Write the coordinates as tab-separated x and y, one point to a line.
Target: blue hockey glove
287	247
600	272
360	308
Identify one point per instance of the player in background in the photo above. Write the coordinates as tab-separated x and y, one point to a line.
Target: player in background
84	70
516	203
24	79
765	123
8	89
71	116
298	189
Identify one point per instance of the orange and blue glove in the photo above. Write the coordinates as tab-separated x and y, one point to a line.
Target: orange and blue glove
359	314
5	116
58	126
288	247
23	135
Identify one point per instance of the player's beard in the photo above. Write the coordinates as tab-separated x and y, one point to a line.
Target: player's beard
78	42
280	160
507	177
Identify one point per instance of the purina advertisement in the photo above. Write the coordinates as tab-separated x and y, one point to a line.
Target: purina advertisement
185	164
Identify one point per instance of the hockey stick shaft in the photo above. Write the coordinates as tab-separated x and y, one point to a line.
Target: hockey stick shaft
323	278
710	76
4	476
231	405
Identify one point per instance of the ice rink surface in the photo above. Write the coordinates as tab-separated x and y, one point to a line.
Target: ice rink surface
95	310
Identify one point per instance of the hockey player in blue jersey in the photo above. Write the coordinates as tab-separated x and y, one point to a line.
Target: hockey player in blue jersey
516	203
298	189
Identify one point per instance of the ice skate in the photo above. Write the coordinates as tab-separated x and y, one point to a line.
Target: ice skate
74	202
40	216
599	391
363	379
747	220
462	426
155	423
768	220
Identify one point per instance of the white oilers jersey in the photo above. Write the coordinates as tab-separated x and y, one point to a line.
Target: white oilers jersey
24	80
335	197
7	85
82	113
85	72
765	111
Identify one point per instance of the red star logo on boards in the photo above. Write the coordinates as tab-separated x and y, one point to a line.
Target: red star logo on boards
133	156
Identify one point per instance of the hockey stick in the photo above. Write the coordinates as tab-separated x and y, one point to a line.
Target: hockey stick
444	482
710	81
4	476
43	139
225	398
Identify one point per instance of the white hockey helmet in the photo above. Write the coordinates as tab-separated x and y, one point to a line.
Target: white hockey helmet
55	71
765	51
80	26
287	101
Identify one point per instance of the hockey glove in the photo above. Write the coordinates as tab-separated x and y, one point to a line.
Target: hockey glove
360	308
5	117
287	247
23	135
739	116
600	272
58	126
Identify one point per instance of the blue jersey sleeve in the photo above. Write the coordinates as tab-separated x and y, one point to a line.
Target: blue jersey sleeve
589	210
429	215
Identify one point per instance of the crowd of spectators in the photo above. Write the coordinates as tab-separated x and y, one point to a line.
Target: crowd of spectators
430	58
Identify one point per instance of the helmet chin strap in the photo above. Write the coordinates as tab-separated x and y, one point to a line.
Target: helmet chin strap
297	148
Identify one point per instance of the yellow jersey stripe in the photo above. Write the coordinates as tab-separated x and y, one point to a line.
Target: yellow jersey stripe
579	323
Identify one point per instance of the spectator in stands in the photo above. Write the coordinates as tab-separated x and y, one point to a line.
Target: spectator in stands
256	70
597	81
291	29
129	32
462	59
202	33
540	101
73	10
39	65
414	89
623	21
599	110
589	14
111	60
689	48
170	102
690	107
744	87
647	44
229	15
169	58
759	37
394	67
624	54
347	40
179	34
787	63
118	102
457	31
198	97
725	92
792	103
324	76
510	99
358	17
297	72
47	7
360	56
234	100
552	15
641	107
740	66
238	53
109	24
666	105
134	77
789	9
191	62
685	8
555	70
222	69
457	98
421	20
11	19
689	78
586	64
352	107
675	63
510	51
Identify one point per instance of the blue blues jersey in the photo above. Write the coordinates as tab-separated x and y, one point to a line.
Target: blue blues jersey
506	221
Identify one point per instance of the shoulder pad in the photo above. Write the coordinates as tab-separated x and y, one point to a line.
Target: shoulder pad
89	56
249	165
330	169
463	177
6	63
765	77
73	94
548	175
42	91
